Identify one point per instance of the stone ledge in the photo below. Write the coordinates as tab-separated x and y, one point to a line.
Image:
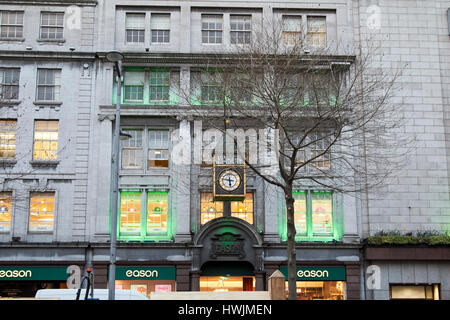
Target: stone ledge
408	253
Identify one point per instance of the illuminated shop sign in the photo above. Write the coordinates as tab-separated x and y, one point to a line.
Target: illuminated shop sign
318	273
33	273
145	273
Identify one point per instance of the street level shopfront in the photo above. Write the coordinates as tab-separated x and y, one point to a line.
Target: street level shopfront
24	281
319	282
146	279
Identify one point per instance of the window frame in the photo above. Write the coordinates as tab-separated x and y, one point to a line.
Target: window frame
145	148
245	32
54	212
56	86
154	14
12	84
208	30
143	219
135	29
15	26
50	142
309	34
56	27
210	196
5	121
287	34
434	287
10	206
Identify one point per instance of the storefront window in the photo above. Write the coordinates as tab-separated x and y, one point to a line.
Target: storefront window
227	283
300	212
418	292
322	213
157	212
42	206
320	290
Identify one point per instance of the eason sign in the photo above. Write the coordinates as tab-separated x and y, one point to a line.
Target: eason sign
318	273
145	273
33	273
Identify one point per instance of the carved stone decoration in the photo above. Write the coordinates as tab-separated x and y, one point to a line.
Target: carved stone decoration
227	244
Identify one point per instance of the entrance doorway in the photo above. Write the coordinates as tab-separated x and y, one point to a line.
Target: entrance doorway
227	276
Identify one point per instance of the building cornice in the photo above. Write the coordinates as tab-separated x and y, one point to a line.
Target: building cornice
51	2
45	55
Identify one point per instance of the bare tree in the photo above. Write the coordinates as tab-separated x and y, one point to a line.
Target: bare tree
335	125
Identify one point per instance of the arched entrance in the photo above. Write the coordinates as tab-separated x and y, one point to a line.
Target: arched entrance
227	249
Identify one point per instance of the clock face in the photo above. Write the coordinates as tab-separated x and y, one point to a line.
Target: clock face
229	180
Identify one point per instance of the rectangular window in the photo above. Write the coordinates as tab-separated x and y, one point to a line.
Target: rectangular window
292	30
212	25
158	148
243	210
415	292
300	213
134	86
130	213
52	25
241	28
318	147
8	139
42	211
9	83
5	211
11	24
135	27
132	150
160	26
317	31
209	209
48	85
45	140
159	86
157	212
322	213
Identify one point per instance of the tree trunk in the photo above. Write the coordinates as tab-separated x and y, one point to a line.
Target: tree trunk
291	253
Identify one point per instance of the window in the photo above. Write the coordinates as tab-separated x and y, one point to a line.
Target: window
243	210
135	27
159	86
134	86
211	92
48	84
52	25
8	139
132	150
160	26
292	30
140	222
42	211
5	211
9	83
11	25
415	292
320	143
158	148
240	29
130	213
209	209
212	28
317	31
313	214
45	140
156	212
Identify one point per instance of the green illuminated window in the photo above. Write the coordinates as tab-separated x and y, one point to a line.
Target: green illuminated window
314	216
141	222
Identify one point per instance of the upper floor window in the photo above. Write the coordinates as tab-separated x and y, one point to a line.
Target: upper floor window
211	90
292	30
212	28
134	86
5	211
45	140
42	211
9	83
160	27
8	139
135	27
159	86
157	154
11	24
313	214
52	25
48	84
317	31
210	209
320	141
240	29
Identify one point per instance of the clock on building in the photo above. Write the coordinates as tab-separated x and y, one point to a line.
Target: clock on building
229	182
